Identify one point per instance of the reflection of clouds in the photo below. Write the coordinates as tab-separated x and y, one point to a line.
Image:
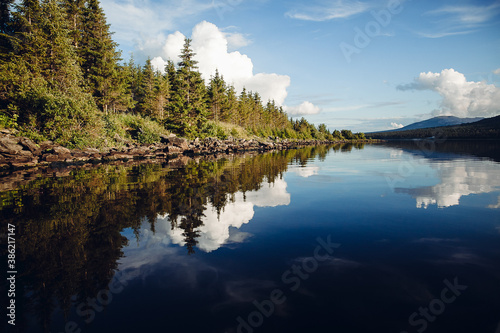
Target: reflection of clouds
458	178
453	251
495	206
396	153
218	229
306	171
270	195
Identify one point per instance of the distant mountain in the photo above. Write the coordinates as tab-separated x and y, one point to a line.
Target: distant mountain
439	122
485	128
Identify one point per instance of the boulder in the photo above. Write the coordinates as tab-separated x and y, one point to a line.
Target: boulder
178	142
61	150
51	158
28	144
10	145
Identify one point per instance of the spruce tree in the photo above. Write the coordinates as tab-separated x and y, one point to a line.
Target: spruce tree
229	109
217	95
188	107
6	29
74	13
99	58
43	84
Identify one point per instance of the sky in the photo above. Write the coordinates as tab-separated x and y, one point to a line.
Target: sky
359	65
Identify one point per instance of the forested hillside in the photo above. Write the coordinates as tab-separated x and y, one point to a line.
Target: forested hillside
62	78
488	128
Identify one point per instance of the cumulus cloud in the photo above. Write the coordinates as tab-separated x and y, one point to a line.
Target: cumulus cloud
135	21
396	125
496	71
461	98
211	46
235	40
306	108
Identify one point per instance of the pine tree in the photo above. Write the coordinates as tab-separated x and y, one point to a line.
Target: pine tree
244	108
43	83
99	58
229	109
154	93
217	95
6	29
74	12
188	107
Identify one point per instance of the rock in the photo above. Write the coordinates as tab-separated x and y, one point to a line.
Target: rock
10	145
61	150
118	156
138	151
28	144
26	153
5	131
164	138
51	158
91	151
178	142
46	144
173	150
24	162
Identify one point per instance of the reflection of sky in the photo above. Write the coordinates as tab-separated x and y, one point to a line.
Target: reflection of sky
216	230
457	178
383	263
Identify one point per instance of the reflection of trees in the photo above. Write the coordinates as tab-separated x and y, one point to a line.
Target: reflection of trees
69	238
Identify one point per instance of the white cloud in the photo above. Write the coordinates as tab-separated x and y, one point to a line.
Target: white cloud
235	40
468	15
135	21
337	10
211	46
396	125
460	19
306	108
444	34
461	98
496	71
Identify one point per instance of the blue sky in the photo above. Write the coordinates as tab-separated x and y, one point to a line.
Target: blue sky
359	65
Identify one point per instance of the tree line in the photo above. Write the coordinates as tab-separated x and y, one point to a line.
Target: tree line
62	78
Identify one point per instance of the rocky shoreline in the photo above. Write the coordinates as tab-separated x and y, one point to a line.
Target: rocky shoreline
22	153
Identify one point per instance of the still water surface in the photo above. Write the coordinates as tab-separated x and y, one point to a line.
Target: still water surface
374	238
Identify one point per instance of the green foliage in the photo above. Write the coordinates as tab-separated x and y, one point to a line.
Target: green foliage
134	127
8	121
61	79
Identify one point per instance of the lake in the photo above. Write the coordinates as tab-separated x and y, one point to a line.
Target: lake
396	237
